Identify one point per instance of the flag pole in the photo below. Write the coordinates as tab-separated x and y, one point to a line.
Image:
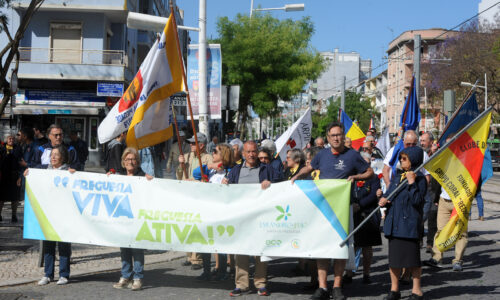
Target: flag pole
187	93
183	165
400	186
455	113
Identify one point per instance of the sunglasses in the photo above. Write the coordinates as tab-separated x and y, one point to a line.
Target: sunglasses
403	158
216	151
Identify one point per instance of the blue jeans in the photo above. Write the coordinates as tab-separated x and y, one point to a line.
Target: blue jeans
357	258
138	255
480	204
49	256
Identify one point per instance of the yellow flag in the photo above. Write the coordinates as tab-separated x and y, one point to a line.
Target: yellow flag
458	169
160	76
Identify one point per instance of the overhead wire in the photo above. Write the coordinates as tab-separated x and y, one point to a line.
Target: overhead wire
410	41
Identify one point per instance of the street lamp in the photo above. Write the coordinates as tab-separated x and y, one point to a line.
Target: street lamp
286	8
485	88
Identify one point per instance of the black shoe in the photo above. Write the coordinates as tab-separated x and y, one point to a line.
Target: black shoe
320	294
196	267
238	292
366	279
221	276
347	279
205	276
433	263
416	297
186	263
14	219
393	296
337	294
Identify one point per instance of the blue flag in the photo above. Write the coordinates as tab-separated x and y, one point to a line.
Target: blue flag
467	113
410	116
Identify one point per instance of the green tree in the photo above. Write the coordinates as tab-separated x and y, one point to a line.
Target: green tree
10	50
355	107
268	58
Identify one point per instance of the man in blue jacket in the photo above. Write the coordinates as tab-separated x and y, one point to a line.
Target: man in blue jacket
42	155
250	171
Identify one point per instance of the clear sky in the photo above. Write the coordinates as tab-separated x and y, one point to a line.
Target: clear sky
364	26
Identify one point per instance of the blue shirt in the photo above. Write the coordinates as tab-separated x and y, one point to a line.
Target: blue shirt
339	166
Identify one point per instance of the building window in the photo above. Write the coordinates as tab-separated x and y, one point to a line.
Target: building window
66	42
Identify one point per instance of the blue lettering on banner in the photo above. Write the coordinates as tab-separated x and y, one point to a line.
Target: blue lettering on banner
90	193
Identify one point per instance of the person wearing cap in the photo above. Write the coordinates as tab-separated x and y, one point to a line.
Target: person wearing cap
192	162
173	155
276	163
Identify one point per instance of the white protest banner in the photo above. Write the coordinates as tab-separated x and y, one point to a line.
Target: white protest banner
296	136
307	219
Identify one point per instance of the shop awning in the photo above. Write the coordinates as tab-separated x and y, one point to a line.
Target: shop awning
54	110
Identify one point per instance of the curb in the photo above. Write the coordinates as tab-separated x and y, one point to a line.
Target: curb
23	281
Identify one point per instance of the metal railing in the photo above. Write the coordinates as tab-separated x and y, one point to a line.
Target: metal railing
73	56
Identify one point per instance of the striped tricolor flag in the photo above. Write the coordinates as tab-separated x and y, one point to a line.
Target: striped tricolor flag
352	130
457	168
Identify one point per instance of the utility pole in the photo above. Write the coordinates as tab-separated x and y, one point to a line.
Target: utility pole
485	92
416	66
425	95
342	99
202	70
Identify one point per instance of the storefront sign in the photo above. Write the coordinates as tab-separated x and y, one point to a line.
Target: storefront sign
108	89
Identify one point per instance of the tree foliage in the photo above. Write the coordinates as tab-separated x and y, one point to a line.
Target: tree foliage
268	58
465	57
11	50
355	107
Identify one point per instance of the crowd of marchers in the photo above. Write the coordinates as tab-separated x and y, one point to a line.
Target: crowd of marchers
400	221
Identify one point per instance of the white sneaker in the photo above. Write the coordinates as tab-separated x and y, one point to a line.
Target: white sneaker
62	280
44	281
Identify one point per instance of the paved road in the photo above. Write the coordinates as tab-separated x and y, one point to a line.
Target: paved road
168	280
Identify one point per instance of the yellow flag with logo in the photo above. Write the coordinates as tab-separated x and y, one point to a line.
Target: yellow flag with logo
458	169
159	77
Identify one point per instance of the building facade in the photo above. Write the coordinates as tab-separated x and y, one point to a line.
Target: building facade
375	90
76	60
340	65
400	71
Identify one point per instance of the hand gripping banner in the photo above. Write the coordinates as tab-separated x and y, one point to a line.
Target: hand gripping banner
307	219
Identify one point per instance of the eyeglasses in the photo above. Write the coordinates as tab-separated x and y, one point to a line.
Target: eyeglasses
335	135
18	134
56	134
410	144
215	151
130	159
403	158
193	143
364	149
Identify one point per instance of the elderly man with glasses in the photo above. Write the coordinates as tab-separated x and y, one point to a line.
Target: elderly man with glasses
41	158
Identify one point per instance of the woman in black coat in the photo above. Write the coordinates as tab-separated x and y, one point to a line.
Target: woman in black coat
366	201
403	223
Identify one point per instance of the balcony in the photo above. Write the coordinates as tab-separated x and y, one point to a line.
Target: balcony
73	64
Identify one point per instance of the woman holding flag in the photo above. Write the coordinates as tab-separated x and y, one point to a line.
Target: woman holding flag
403	223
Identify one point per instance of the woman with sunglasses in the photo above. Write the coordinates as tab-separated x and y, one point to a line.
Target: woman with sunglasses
403	223
223	161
